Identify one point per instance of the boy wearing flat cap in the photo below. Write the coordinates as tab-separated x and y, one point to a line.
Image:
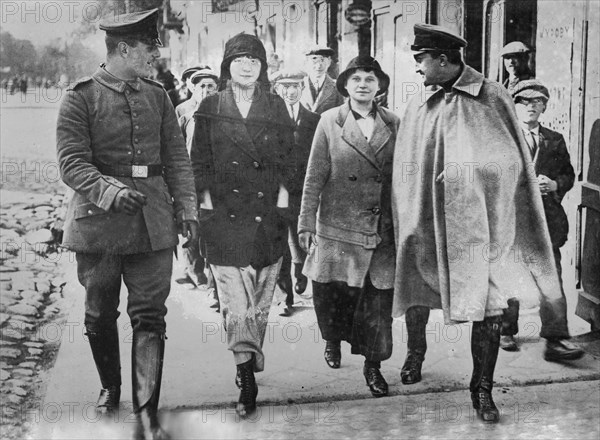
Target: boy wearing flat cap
320	92
449	216
120	149
289	84
515	58
555	177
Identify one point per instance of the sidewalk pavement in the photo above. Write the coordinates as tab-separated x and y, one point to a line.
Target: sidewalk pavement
199	370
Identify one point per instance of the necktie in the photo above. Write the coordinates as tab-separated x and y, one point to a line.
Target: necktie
291	110
533	144
313	90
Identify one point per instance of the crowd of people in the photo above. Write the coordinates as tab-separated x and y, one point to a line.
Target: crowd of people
300	173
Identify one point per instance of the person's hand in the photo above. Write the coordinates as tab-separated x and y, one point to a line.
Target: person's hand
546	184
307	239
189	230
129	201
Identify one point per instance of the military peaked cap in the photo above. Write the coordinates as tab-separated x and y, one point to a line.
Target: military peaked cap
516	47
142	25
432	37
529	89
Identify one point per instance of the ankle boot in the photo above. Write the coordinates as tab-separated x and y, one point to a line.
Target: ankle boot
105	350
147	362
416	321
246	382
485	342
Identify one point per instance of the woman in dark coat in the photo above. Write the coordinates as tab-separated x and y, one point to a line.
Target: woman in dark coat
351	242
242	162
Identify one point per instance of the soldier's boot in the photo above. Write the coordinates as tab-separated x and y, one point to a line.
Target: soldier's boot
246	382
485	343
416	321
105	350
147	363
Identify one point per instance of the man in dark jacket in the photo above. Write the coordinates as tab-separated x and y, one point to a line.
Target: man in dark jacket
120	149
289	84
320	93
555	177
515	57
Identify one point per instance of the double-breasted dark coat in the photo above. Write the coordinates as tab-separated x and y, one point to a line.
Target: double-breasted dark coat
553	161
346	200
242	162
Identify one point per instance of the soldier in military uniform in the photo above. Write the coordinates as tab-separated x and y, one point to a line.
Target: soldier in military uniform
120	149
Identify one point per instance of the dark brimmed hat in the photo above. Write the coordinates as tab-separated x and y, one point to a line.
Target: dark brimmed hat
430	37
367	63
141	25
320	50
514	48
240	45
288	76
529	89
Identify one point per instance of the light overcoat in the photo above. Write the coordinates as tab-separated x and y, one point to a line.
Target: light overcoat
468	243
346	200
104	121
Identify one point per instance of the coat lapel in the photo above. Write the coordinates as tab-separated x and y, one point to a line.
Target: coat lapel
326	91
352	135
232	124
381	135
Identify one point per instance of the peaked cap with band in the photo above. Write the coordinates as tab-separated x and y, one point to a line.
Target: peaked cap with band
142	25
430	37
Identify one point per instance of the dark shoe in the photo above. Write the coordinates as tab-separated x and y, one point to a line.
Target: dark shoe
108	401
333	354
411	370
301	283
562	350
375	381
485	406
246	382
286	310
147	362
508	343
184	280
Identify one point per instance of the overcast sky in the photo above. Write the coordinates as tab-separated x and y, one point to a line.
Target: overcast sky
42	21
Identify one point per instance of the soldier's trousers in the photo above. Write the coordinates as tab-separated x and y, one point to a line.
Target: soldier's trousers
147	277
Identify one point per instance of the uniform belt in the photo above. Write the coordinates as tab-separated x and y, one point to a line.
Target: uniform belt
138	171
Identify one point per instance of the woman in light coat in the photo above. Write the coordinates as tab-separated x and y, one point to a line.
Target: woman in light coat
345	222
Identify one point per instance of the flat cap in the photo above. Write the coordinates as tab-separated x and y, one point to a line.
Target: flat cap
190	71
320	50
288	76
204	73
141	24
432	37
516	47
529	89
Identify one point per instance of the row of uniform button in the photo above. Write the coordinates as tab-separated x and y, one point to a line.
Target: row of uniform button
259	195
378	178
255	164
136	127
257	219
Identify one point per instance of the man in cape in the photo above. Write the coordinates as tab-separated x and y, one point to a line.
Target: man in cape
468	217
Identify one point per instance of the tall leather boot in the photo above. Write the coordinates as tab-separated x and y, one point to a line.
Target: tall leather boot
485	342
416	321
146	364
105	350
246	382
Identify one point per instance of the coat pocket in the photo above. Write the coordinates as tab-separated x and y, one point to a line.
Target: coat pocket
88	210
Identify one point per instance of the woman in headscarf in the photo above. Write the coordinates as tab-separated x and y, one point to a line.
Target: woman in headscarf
345	221
242	162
